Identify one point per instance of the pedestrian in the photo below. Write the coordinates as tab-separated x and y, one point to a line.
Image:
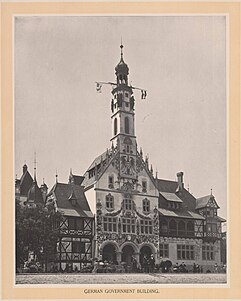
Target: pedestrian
145	264
134	264
194	268
151	263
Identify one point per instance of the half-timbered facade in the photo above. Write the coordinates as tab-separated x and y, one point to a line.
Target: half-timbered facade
76	229
138	214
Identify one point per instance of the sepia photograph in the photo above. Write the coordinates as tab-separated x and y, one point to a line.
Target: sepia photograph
120	149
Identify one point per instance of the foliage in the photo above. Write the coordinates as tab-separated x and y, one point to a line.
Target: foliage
35	232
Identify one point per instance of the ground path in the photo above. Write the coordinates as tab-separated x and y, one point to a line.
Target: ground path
120	278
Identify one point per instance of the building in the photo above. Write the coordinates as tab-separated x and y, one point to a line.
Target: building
138	214
76	229
27	191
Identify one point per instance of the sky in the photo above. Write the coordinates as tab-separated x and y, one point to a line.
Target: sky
179	60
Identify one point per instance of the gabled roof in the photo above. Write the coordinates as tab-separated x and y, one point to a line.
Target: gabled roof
63	194
25	183
34	194
203	201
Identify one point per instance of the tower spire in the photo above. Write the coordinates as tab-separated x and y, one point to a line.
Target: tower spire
56	176
35	166
121	47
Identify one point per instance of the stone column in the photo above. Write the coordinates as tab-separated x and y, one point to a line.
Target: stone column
118	256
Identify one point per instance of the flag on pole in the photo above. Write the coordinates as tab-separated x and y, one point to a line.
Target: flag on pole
143	94
98	87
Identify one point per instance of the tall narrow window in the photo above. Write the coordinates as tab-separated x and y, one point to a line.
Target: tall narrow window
111	182
146	205
115	126
109	202
127	130
144	186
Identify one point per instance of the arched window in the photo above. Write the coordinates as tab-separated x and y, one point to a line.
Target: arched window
163	226
127	130
181	228
146	205
173	227
115	126
190	228
109	201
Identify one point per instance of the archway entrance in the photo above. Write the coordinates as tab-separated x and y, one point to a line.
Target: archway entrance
145	251
109	253
127	253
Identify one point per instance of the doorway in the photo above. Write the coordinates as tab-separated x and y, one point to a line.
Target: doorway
109	253
127	253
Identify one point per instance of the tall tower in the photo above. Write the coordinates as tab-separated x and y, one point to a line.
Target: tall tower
123	120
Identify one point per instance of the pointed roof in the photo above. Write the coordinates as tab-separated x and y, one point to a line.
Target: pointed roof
122	67
34	194
64	193
26	181
203	201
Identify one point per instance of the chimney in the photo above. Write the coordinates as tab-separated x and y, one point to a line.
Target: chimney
180	181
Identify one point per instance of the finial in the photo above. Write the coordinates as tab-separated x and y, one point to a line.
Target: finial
141	153
211	191
56	176
71	172
35	166
43	181
188	187
151	169
121	47
156	173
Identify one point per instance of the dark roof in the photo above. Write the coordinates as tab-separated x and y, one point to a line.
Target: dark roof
203	201
25	183
34	194
75	179
166	185
64	193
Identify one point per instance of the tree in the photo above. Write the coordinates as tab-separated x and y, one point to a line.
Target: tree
36	232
